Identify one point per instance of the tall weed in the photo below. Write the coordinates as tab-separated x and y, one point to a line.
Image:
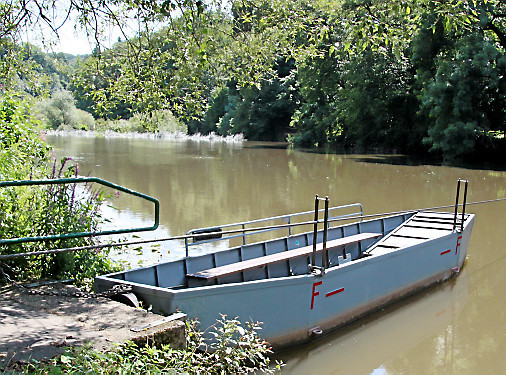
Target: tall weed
30	211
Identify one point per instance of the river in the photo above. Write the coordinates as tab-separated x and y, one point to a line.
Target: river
458	327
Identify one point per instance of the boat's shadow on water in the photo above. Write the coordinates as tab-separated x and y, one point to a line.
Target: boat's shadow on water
364	346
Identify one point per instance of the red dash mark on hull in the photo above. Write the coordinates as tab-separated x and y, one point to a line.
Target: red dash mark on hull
445	252
334	292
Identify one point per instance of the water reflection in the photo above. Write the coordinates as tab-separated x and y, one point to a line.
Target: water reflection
386	334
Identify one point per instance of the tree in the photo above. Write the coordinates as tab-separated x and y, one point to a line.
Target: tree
320	82
264	113
377	106
216	111
242	45
60	112
380	24
465	100
362	67
259	113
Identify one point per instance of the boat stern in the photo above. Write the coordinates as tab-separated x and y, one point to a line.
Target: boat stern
463	239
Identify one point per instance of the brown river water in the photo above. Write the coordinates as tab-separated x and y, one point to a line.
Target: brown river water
458	327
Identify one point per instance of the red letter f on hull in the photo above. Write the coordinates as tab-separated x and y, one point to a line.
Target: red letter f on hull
315	293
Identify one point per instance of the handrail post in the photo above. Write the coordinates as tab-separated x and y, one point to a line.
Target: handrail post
325	229
315	231
464	206
456	205
462	219
243	234
324	265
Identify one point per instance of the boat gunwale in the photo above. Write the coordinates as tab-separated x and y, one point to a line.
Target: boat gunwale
193	292
110	276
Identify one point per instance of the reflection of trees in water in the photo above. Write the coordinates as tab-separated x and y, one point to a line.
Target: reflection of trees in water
474	341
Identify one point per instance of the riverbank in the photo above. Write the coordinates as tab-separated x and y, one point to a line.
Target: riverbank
176	136
107	337
39	327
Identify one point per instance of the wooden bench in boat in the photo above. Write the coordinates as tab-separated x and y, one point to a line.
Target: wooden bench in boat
228	269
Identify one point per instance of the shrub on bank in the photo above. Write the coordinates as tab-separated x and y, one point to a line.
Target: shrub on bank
235	350
30	211
158	121
60	112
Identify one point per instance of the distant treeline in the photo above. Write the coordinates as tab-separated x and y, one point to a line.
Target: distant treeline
443	93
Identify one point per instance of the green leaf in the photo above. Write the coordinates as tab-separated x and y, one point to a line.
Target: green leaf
66	359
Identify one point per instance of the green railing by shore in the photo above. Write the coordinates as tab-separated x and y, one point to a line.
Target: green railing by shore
74	180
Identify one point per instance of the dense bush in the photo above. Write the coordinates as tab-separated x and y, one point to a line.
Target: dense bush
21	150
60	112
158	121
42	210
161	120
465	99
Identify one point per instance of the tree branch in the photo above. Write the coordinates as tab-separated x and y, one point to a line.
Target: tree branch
498	32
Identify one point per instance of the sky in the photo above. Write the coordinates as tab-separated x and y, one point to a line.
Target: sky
70	39
76	42
73	42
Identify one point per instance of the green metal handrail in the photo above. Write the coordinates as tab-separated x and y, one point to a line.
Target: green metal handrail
73	180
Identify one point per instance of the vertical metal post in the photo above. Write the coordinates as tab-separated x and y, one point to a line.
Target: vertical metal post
315	231
325	227
456	205
289	228
243	235
464	205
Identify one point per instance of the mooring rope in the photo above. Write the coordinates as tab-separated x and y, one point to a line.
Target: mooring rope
233	231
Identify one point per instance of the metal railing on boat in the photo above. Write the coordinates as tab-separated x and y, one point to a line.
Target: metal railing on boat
211	234
455	218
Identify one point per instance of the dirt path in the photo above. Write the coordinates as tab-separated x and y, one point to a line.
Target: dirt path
40	326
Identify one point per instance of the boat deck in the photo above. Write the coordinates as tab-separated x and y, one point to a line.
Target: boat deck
423	226
278	257
290	256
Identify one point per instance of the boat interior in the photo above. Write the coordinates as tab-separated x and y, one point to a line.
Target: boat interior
293	255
